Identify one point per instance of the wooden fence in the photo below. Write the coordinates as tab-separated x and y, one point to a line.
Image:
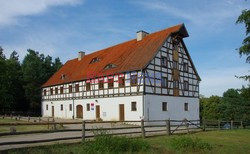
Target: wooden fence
143	128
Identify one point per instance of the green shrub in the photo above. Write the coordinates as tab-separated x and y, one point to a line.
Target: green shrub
188	143
105	143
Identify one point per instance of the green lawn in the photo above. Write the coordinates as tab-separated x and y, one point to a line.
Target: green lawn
226	141
5	129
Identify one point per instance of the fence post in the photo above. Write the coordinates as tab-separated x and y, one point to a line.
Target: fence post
204	124
186	124
232	124
48	123
54	124
142	128
218	124
83	131
28	118
39	119
11	116
19	117
168	127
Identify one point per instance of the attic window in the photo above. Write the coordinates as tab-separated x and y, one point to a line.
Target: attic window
94	60
109	66
63	76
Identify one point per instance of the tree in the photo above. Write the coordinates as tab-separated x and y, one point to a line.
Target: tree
210	107
245	48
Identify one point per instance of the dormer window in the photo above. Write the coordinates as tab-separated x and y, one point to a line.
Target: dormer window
63	76
94	60
109	66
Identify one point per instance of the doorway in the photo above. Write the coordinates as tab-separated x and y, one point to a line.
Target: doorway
79	111
97	112
53	112
121	112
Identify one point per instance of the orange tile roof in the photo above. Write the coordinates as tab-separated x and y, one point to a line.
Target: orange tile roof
128	56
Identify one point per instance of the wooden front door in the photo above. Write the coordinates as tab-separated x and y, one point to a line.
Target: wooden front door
79	113
97	111
53	112
121	112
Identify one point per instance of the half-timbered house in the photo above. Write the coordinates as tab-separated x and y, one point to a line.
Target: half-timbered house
150	77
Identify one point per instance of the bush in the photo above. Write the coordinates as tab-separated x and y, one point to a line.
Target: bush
188	143
106	143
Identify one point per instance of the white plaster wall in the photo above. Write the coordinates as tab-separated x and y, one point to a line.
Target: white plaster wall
109	108
153	108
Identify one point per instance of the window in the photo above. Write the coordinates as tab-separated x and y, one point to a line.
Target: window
61	107
110	83
44	92
185	106
88	86
88	107
70	89
164	82
56	90
70	107
51	91
176	84
175	64
61	90
185	67
121	82
164	106
186	85
47	107
94	60
164	61
101	84
109	66
77	87
133	80
133	106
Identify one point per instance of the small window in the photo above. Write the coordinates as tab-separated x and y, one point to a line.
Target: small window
94	60
44	92
63	76
61	107
186	85
47	106
164	106
185	67
61	90
133	106
77	87
110	83
70	107
133	80
101	84
121	82
51	91
88	107
164	61
185	106
176	84
164	82
88	86
109	66
56	90
70	89
175	64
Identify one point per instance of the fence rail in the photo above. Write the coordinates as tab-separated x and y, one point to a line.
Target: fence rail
141	128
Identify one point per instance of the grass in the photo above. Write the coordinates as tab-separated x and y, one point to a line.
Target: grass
226	141
6	129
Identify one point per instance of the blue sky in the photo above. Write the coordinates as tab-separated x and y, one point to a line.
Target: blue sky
61	28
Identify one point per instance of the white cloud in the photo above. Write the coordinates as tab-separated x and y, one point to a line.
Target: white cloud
10	10
217	81
199	14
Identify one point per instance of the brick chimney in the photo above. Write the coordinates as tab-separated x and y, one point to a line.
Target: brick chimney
81	54
141	34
